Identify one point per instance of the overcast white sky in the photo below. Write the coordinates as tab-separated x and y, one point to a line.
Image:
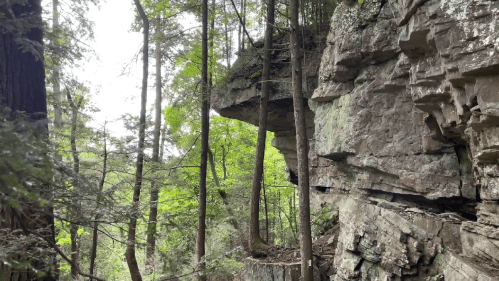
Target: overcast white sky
114	94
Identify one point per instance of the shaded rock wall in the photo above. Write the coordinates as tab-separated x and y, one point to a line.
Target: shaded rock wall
407	128
404	137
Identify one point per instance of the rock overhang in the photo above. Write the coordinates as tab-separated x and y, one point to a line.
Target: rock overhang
405	115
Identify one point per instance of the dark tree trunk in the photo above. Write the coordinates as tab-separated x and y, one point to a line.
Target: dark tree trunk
130	250
301	148
22	88
205	122
22	76
255	241
153	211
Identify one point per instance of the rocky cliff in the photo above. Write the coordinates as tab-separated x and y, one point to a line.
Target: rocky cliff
404	136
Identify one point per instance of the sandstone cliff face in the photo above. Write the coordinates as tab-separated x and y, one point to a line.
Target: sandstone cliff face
405	138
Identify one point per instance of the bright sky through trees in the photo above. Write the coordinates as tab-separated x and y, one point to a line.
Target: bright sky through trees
114	77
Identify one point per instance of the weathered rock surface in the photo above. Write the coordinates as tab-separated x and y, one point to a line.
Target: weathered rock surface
405	138
408	105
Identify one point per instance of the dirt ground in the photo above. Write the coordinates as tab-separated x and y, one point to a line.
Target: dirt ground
323	249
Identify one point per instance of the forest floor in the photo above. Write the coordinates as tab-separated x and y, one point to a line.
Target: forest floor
323	246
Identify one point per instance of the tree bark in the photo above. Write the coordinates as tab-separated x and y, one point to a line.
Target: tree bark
162	145
266	211
224	166
95	234
130	251
243	13
221	192
73	228
153	212
227	45
201	230
56	80
239	33
213	168
22	88
301	148
256	243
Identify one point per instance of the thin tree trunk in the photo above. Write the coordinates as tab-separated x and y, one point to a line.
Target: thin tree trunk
212	166
266	210
56	79
293	224
201	231
221	192
280	217
224	167
301	148
227	45
255	241
240	36
243	13
162	145
130	251
73	229
95	234
296	230
153	212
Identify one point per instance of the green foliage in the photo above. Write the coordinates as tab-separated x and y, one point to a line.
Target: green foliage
76	197
324	219
25	171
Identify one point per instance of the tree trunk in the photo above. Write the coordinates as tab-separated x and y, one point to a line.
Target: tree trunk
73	228
301	148
243	13
153	212
22	88
227	45
205	122
280	217
224	166
212	166
57	67
240	35
130	251
162	146
266	211
255	241
221	192
93	251
296	230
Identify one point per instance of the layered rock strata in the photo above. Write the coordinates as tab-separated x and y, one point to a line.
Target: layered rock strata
407	126
405	138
